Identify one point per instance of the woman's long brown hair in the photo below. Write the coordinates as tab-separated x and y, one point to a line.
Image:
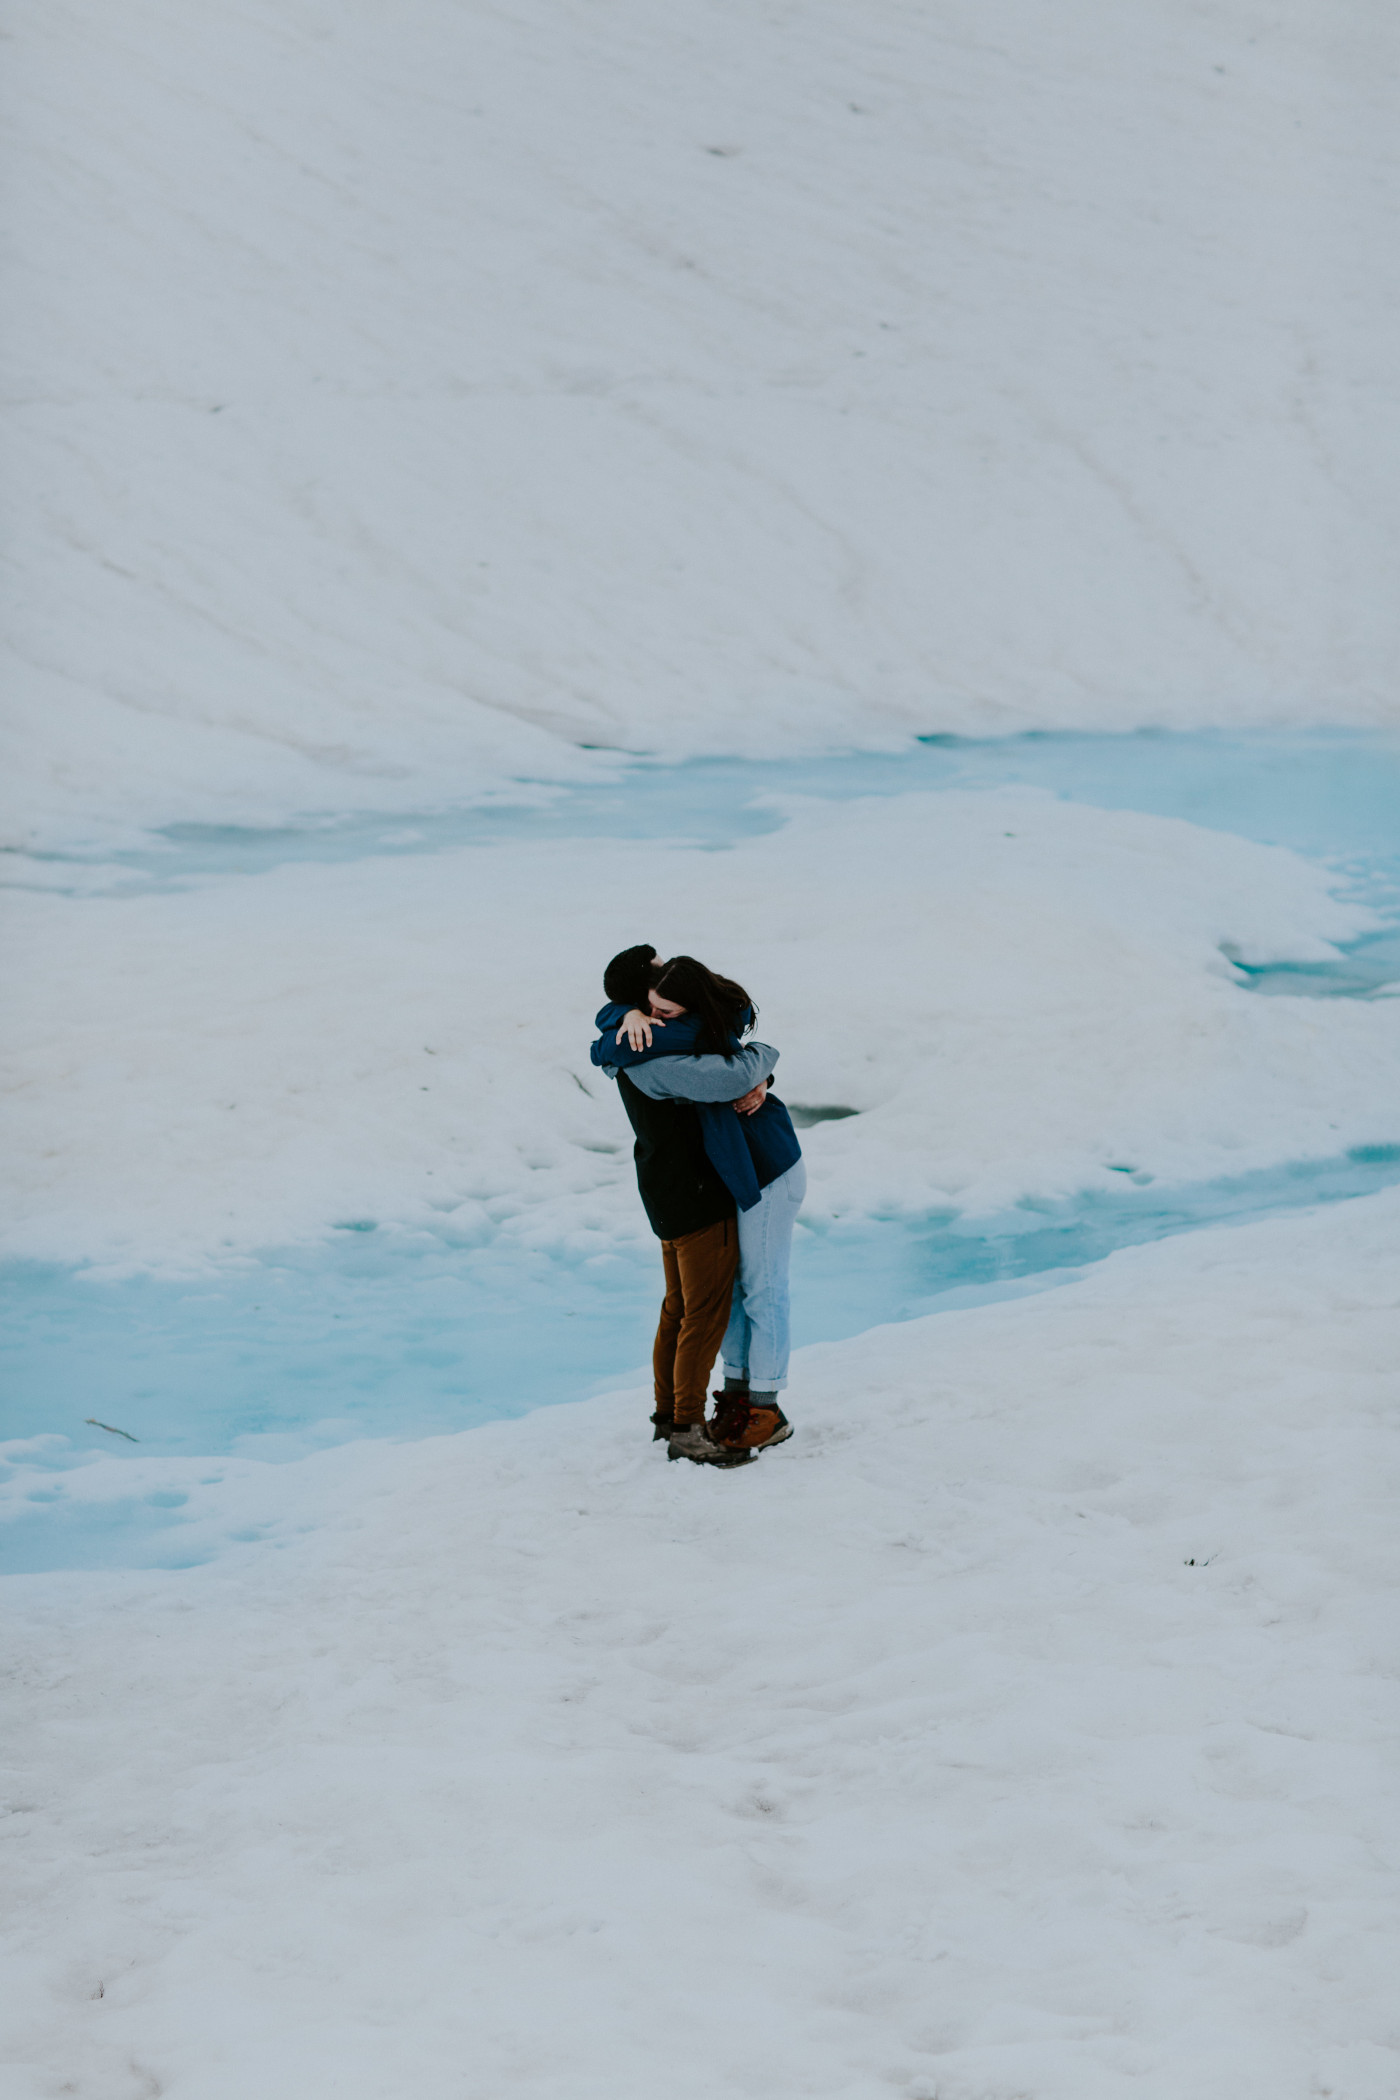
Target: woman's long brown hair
719	1001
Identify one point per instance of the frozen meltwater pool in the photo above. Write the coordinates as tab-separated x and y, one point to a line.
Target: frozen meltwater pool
1330	794
388	1333
1333	795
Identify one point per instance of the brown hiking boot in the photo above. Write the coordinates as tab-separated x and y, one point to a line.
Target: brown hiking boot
740	1426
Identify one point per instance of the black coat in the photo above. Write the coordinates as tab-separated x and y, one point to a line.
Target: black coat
681	1191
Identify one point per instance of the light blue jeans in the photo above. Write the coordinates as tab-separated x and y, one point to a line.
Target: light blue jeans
758	1340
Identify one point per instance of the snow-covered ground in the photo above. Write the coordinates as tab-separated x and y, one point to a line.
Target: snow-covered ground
1024	1729
1014	1733
409	405
400	396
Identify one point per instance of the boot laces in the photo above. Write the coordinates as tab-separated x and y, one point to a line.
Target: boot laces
731	1417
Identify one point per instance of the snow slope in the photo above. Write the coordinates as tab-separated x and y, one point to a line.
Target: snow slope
397	398
1021	1732
1015	992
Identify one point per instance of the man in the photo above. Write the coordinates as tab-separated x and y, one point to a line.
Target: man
689	1208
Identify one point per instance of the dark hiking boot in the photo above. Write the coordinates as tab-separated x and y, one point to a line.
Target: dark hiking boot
693	1441
731	1413
739	1426
662	1427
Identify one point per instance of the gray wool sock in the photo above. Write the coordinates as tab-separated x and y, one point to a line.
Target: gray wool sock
767	1398
735	1385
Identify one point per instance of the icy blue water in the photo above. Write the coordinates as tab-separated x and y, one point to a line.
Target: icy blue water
399	1334
1332	794
390	1333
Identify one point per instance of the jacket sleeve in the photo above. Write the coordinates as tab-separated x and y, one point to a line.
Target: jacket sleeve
705	1078
670	1039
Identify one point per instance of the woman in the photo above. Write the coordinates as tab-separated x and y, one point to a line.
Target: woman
680	1046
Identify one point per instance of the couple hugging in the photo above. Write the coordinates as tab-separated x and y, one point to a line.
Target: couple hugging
721	1178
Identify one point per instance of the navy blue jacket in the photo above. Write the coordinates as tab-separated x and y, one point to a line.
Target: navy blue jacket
746	1151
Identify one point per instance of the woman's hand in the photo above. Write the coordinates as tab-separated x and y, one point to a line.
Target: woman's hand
637	1027
754	1099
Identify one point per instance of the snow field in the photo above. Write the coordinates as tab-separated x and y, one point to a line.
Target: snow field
397	400
1016	993
1020	1732
399	403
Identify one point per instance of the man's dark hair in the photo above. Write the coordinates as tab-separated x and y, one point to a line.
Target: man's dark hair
725	1008
627	979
